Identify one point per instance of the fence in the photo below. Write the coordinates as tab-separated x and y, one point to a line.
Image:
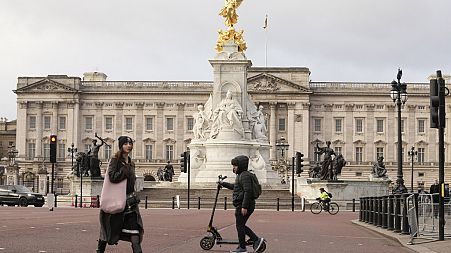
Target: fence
393	212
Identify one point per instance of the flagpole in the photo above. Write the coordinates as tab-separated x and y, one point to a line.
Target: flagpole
266	40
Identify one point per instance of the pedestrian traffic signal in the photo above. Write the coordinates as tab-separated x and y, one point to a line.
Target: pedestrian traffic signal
299	164
53	141
184	159
434	95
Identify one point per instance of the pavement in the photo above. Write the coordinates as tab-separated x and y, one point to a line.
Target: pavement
39	230
420	244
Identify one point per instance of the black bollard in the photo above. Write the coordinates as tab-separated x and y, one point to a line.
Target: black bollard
225	203
76	200
278	204
145	203
173	202
198	203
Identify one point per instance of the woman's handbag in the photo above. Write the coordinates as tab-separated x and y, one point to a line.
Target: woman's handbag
113	197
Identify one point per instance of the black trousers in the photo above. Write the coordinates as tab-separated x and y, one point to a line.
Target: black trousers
241	227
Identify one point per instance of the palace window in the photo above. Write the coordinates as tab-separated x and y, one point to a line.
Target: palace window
359	155
149	149
108	123
317	125
62	150
379	152
47	122
359	125
88	122
62	123
46	149
339	125
379	125
149	123
338	150
31	151
421	123
170	124
169	152
32	122
190	124
128	123
420	156
107	152
281	124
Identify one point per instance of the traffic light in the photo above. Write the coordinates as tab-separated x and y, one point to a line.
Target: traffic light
434	95
184	160
53	141
299	164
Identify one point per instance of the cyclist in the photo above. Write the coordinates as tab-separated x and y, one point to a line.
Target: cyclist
324	198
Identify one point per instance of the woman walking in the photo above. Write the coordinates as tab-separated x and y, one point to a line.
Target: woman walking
126	225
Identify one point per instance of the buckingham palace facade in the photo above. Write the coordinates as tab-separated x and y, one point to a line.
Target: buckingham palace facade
360	120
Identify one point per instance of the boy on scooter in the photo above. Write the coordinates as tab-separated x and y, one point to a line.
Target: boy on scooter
244	203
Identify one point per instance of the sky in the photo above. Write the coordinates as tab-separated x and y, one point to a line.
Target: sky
143	40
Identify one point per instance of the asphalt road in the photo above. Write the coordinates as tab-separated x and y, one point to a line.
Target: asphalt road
76	230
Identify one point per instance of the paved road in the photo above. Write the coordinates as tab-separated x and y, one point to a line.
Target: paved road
76	230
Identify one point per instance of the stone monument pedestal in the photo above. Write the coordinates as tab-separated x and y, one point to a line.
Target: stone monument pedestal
91	186
343	191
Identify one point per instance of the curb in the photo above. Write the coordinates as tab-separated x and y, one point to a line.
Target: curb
402	239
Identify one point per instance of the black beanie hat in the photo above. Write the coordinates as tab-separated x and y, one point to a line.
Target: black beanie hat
124	139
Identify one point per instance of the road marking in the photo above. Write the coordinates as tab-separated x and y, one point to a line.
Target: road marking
42	251
2	248
360	244
304	241
83	230
32	227
57	228
331	242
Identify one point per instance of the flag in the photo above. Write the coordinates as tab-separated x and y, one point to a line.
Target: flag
266	22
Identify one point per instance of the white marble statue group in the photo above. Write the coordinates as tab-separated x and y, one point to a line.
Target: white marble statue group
228	115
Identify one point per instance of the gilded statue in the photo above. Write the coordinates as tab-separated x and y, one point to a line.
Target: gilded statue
229	12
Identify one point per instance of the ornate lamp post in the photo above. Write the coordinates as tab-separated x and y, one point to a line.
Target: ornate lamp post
399	95
282	146
72	150
412	153
12	153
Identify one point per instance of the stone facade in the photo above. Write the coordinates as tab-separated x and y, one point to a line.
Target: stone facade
358	118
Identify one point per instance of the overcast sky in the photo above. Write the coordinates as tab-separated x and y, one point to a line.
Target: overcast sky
338	40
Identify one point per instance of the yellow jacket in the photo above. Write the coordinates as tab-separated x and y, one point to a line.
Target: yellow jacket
324	196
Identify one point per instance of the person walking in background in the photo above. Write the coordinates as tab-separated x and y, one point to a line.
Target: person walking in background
126	225
244	203
435	191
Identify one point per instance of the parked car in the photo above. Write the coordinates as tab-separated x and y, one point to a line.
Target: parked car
19	195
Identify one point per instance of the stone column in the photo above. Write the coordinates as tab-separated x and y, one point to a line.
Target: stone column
99	119
348	132
119	119
159	129
76	123
21	138
139	130
392	132
305	138
272	130
370	150
38	143
180	129
291	131
54	129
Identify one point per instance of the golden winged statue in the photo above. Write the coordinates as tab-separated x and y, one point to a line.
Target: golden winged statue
231	18
229	12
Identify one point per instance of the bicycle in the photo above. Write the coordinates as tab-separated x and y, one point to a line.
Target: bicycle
317	207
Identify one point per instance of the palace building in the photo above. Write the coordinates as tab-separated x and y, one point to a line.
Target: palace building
360	120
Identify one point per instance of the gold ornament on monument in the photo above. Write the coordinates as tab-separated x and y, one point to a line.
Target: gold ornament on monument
231	18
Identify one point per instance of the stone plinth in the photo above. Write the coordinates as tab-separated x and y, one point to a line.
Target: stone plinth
342	191
91	186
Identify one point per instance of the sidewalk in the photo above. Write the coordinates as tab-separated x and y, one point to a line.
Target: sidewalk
421	244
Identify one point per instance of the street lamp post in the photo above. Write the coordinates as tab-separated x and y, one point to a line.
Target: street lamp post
282	146
412	153
399	95
72	150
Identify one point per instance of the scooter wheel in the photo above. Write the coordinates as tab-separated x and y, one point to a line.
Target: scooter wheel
262	248
207	243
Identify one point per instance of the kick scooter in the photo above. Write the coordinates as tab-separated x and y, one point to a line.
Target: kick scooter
209	241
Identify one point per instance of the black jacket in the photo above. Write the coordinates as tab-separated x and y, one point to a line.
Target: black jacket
111	224
242	188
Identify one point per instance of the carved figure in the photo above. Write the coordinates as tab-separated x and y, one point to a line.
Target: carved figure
201	123
227	115
168	172
160	174
229	12
379	167
339	162
258	125
327	164
315	171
